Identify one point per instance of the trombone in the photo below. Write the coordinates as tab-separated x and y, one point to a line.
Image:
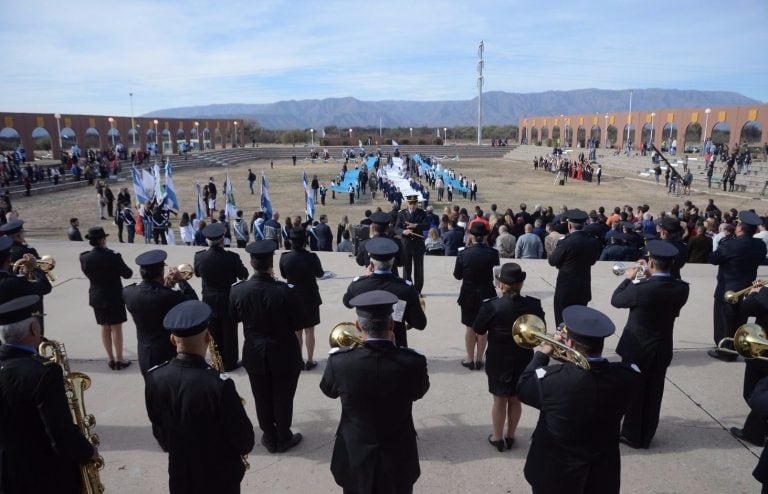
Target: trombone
749	341
530	331
732	297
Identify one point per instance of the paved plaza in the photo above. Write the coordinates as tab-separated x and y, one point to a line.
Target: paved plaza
692	451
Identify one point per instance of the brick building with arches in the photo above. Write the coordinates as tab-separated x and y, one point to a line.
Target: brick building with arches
733	126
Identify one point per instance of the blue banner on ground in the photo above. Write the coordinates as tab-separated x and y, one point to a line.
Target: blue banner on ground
440	172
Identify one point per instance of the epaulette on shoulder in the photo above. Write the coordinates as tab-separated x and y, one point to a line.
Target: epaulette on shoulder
237	283
491	299
408	282
543	372
158	366
201	251
340	349
361	277
631	368
221	375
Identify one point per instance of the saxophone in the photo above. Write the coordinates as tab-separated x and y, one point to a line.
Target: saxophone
75	385
218	364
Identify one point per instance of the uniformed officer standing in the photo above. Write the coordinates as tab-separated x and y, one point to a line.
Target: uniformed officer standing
737	260
574	256
755	427
654	303
375	449
379	227
271	312
15	231
580	410
408	310
219	269
411	224
474	266
505	360
196	413
758	402
12	286
41	446
104	268
149	302
672	232
302	269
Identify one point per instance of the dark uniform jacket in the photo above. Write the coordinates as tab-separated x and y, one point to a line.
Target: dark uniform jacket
759	404
271	313
474	266
302	269
149	302
13	286
574	256
654	303
198	418
364	259
40	447
411	314
415	245
756	304
219	269
104	268
18	250
375	449
737	260
504	359
680	259
324	237
580	414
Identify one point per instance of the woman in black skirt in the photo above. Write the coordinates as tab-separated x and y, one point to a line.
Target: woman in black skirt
505	360
104	268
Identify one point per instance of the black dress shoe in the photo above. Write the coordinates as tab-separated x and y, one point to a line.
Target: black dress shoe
122	365
111	364
293	441
739	434
496	444
509	441
625	440
469	365
479	365
719	355
269	445
311	364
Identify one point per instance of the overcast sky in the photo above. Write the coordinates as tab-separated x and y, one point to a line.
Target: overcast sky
85	56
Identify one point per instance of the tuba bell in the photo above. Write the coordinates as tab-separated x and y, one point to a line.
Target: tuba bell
345	334
530	331
749	341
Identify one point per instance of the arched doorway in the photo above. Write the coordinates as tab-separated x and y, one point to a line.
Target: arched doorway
91	139
568	140
545	136
9	139
581	137
668	134
556	135
594	134
645	134
206	139
721	133
217	138
751	133
113	136
628	135
134	139
612	135
535	136
68	138
151	136
41	141
167	147
524	136
693	138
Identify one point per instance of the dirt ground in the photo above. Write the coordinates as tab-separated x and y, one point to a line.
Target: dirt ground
504	181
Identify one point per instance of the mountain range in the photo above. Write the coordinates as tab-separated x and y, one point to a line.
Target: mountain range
499	108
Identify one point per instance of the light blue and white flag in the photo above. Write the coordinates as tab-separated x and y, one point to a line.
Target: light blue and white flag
231	209
266	202
394	143
170	190
142	196
310	197
201	206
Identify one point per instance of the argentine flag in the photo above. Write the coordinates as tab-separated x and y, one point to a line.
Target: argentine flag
266	202
310	198
138	186
170	190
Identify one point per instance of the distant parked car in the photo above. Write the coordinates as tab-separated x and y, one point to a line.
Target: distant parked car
692	149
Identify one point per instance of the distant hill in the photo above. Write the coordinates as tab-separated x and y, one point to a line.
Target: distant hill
499	108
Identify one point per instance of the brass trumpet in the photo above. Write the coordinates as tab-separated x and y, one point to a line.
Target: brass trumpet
620	268
345	334
530	331
749	341
184	271
732	297
45	263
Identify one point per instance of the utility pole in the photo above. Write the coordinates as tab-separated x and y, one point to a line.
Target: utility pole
480	96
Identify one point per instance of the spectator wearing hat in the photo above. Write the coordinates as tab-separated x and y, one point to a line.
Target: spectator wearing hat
196	413
104	268
755	428
219	269
671	230
580	410
302	269
574	256
377	382
379	226
42	447
12	286
737	261
505	360
409	312
14	230
474	266
271	312
73	233
654	302
411	224
149	302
